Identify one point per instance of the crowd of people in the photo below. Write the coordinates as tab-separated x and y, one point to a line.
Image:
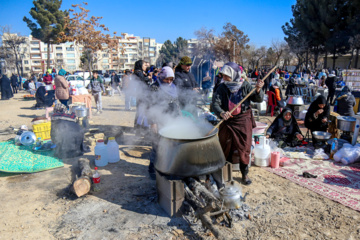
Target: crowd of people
171	90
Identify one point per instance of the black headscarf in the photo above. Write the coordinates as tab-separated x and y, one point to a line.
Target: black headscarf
138	65
280	124
292	81
314	106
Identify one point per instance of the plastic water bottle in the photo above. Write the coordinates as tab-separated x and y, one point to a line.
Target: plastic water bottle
38	143
334	148
113	150
101	159
96	180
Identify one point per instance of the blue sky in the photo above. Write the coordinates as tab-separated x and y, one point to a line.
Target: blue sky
163	20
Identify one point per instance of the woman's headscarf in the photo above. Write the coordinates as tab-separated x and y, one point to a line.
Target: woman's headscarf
314	106
138	65
169	89
233	71
287	123
285	111
62	72
292	81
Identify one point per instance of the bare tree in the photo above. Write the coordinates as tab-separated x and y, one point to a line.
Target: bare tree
11	50
89	33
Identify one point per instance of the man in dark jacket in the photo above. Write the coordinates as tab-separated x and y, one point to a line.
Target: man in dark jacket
186	83
115	82
6	92
14	83
331	84
346	102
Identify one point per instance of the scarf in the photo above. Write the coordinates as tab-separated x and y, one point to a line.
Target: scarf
169	89
235	75
287	122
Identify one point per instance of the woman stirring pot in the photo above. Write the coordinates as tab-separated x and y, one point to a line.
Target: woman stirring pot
235	133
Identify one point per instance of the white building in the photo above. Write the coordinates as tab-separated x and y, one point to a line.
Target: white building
67	55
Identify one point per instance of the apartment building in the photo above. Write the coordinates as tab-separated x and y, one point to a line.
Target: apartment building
67	55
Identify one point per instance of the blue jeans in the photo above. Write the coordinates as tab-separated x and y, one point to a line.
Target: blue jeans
65	102
127	101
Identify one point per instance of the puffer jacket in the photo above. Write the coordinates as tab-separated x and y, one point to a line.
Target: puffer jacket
184	80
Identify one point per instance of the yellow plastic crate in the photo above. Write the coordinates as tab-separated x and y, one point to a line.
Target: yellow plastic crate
42	130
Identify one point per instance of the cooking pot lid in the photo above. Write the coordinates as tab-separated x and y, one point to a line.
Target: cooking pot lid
231	189
27	138
349	119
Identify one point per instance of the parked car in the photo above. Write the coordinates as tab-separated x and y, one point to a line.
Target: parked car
75	80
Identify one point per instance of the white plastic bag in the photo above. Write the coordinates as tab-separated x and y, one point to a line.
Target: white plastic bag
320	154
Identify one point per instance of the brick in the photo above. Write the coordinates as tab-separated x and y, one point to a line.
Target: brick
172	189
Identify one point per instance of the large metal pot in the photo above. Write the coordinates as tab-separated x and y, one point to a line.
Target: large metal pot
81	112
188	157
295	100
346	124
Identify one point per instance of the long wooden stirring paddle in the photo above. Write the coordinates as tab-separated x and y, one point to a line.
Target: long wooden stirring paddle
237	105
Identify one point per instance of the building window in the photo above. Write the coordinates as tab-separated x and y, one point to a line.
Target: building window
115	66
146	44
105	66
26	62
70	60
58	48
114	55
151	54
105	60
70	49
71	67
59	54
27	69
151	49
45	55
105	55
36	55
36	62
35	49
70	55
34	42
80	48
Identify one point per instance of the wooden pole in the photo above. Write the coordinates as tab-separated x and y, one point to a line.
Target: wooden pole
237	105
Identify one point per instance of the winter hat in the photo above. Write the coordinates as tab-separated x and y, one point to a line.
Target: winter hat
62	72
185	60
232	71
166	72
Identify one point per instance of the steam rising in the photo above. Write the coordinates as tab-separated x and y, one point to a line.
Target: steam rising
174	125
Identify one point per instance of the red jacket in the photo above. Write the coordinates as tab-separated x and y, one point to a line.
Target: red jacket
47	79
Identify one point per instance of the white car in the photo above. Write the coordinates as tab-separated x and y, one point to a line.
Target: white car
75	80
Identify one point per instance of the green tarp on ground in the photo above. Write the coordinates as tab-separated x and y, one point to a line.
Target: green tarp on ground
22	159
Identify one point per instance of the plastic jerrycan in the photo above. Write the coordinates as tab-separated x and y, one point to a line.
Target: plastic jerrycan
101	159
113	150
262	152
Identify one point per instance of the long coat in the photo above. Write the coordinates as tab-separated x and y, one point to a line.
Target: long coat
6	91
62	88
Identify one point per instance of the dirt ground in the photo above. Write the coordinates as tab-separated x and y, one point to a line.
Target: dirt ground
41	206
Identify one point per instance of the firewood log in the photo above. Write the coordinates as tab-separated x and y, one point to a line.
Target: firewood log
82	184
